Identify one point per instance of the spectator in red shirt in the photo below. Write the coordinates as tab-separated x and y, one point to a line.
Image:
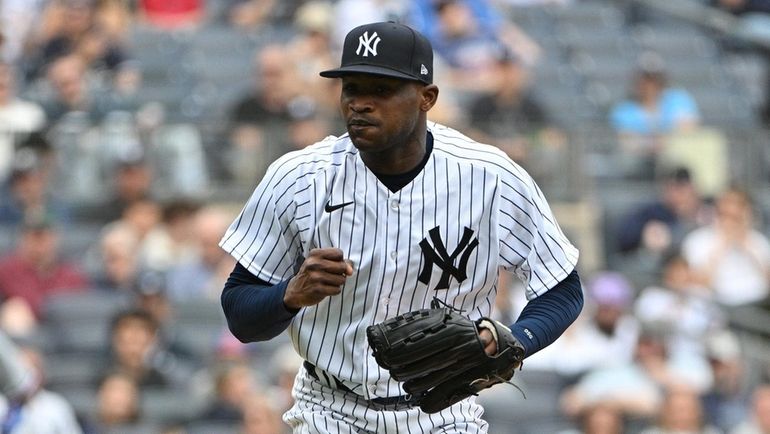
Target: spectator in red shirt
35	270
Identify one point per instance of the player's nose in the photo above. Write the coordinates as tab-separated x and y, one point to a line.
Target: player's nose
360	104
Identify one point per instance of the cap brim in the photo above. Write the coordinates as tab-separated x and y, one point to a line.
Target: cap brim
367	69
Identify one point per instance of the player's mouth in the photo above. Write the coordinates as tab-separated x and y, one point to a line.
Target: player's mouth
360	123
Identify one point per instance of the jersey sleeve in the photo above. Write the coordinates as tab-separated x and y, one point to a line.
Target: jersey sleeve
264	238
532	245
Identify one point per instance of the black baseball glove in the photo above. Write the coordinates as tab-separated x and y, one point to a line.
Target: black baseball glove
439	356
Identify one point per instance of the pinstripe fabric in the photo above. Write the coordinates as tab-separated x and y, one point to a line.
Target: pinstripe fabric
322	409
445	234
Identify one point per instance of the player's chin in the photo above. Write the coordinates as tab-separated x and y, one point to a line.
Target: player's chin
364	140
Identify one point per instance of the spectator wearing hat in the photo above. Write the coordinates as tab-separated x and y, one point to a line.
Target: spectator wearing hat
35	270
604	335
657	226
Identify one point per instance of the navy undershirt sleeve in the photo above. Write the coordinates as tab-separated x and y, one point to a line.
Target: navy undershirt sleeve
546	317
254	308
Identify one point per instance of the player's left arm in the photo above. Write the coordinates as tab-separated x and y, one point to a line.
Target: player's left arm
546	317
533	246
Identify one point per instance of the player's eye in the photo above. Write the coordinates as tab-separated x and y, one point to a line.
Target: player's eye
383	90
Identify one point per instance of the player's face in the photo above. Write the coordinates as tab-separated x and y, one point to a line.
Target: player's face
383	113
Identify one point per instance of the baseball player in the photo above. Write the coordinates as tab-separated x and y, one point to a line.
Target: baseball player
396	220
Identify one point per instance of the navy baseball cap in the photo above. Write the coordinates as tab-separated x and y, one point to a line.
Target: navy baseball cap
388	49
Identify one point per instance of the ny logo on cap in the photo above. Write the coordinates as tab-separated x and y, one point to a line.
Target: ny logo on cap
369	44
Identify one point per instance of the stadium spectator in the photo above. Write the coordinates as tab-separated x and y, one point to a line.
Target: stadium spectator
682	412
25	405
729	256
18	118
604	336
174	15
725	404
70	91
754	25
118	405
510	117
252	14
72	28
202	275
234	383
28	194
349	14
136	349
637	388
284	364
150	295
653	110
470	28
17	19
602	419
760	413
260	417
131	182
312	52
681	306
35	271
172	242
113	262
259	120
663	223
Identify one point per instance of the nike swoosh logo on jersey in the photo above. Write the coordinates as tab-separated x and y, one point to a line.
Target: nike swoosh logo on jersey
329	207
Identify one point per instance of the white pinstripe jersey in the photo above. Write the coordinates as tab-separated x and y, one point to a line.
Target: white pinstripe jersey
469	211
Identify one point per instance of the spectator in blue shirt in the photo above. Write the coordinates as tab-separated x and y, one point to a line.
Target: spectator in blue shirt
653	111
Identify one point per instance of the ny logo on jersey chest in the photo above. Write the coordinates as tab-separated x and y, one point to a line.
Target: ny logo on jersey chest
437	255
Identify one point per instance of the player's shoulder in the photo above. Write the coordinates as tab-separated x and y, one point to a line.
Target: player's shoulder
311	160
452	144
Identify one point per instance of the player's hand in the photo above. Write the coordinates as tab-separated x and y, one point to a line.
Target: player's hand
322	274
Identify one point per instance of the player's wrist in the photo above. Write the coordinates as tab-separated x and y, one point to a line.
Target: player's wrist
288	303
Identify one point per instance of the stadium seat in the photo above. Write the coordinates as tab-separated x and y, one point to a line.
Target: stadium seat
65	371
80	322
163	406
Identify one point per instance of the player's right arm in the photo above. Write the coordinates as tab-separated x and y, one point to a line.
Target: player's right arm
321	275
258	311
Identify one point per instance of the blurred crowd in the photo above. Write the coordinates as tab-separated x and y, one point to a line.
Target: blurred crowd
112	205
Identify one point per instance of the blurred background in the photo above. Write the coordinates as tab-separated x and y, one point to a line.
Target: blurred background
132	131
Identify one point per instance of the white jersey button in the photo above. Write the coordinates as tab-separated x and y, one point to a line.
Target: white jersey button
394	204
393	254
385	301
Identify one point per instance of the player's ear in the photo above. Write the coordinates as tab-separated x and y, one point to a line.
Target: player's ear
429	95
